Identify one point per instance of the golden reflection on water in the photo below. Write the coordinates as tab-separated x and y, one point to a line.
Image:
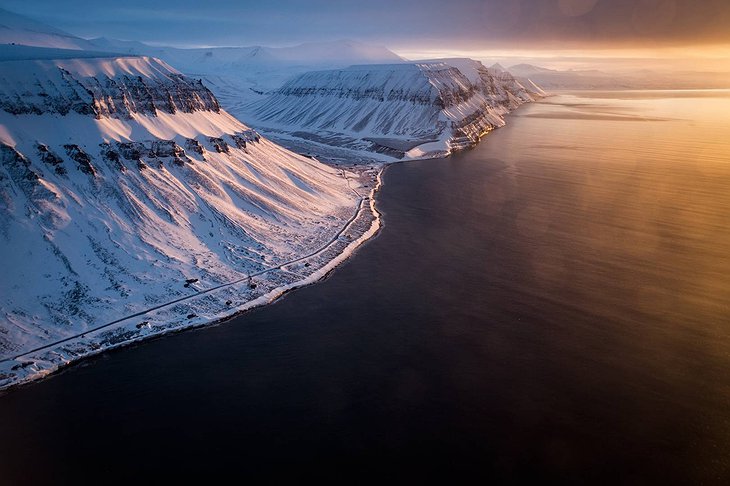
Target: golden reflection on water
621	209
651	195
624	213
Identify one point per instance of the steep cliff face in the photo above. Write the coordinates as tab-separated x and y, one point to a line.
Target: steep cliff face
381	99
116	88
390	111
123	185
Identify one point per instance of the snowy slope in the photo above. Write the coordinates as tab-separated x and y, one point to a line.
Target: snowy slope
120	179
389	111
310	53
18	29
238	75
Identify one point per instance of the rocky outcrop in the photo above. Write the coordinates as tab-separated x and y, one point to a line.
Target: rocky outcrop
241	138
82	158
18	167
51	158
219	145
112	157
194	146
59	90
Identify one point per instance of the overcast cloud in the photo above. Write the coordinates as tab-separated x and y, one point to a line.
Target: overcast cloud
462	24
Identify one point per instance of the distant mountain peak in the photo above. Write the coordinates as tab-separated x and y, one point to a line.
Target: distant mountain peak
21	30
526	69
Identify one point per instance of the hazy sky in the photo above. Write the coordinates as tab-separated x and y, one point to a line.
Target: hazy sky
410	27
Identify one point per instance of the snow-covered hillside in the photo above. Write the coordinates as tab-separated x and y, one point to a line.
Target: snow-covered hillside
239	75
123	187
18	29
236	75
390	111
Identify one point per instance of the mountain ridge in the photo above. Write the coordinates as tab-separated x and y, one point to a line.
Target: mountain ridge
386	112
124	186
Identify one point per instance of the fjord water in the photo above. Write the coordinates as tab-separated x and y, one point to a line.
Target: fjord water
551	305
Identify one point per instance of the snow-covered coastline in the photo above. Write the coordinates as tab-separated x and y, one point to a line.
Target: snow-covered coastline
165	319
217	303
214	305
389	112
133	205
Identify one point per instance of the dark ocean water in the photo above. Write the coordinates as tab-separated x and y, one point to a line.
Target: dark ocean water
551	306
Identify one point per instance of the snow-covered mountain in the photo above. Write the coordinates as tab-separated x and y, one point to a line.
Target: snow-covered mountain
308	53
22	30
236	75
389	111
124	186
239	75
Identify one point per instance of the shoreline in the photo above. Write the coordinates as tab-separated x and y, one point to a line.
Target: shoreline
44	361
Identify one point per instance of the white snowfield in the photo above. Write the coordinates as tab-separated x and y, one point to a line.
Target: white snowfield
132	205
239	75
236	75
389	112
18	29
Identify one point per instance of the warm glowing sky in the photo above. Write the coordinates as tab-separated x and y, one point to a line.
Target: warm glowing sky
564	32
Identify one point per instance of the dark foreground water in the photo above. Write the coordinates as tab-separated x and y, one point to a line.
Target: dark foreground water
551	306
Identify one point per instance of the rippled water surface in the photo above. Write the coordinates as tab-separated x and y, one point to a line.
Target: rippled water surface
550	306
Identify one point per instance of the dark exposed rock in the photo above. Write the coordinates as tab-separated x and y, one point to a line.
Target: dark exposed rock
220	145
239	141
112	156
382	149
133	150
117	97
50	158
247	136
81	158
167	148
194	146
18	168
